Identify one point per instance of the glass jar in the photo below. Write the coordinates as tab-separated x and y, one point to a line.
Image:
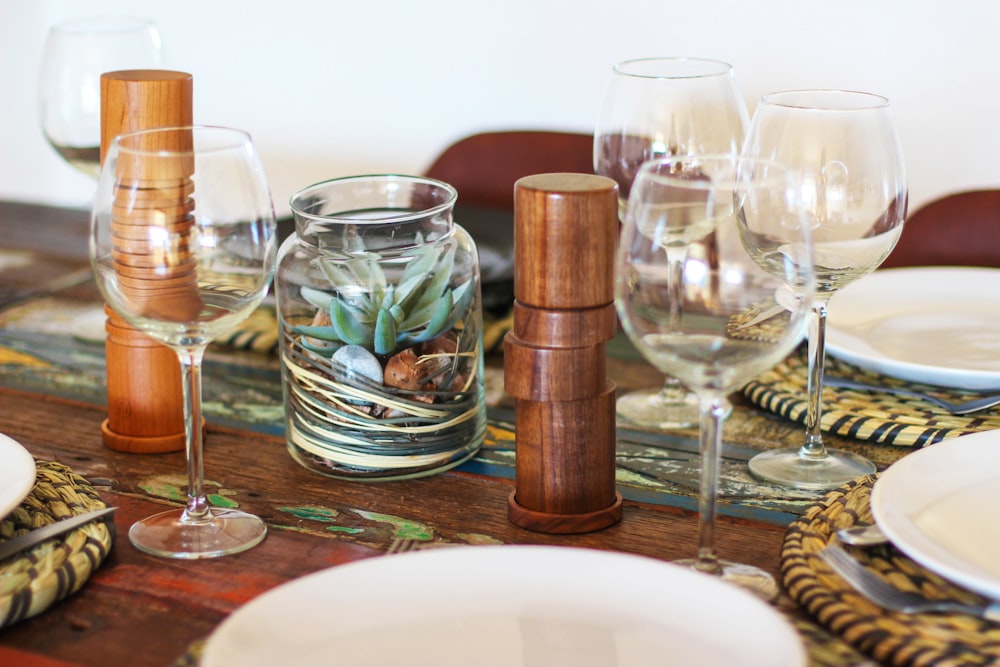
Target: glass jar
380	318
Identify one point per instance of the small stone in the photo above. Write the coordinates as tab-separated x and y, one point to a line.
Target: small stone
359	362
403	371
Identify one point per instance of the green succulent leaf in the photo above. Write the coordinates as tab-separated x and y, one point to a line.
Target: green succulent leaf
368	309
432	291
337	276
360	307
322	350
389	298
418	268
407	286
440	320
317	297
369	273
385	333
417	318
321	333
349	329
423	288
398	314
462	298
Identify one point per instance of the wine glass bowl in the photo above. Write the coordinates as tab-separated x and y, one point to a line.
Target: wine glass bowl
76	53
183	248
691	281
656	108
844	148
660	107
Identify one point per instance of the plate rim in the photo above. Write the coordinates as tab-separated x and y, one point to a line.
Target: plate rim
892	518
21	479
942	376
783	633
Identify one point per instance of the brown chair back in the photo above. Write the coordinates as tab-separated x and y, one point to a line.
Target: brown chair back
484	167
961	229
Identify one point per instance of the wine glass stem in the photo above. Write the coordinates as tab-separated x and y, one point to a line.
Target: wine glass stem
197	504
713	412
675	283
813	448
672	390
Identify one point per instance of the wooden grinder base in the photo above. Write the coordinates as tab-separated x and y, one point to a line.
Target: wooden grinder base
563	524
141	373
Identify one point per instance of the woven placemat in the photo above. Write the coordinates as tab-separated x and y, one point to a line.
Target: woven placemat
890	637
36	579
863	415
257	333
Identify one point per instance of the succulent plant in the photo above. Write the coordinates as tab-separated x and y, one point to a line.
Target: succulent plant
367	309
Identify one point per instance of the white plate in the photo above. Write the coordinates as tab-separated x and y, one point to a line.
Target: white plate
505	605
937	325
938	506
17	474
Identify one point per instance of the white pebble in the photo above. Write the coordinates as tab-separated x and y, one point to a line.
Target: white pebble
359	361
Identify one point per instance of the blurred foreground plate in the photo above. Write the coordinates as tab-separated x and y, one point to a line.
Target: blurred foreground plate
935	325
493	606
938	506
17	474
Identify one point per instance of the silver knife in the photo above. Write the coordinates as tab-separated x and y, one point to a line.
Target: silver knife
37	536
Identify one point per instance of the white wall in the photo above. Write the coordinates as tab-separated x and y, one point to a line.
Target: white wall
337	87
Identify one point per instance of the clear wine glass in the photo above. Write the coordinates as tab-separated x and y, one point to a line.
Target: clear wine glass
689	286
655	108
183	248
844	146
76	53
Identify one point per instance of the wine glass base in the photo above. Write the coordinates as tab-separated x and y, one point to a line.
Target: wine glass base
647	408
748	577
172	535
788	467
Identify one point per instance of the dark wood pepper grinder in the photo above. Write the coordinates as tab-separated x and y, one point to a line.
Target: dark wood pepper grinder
145	400
565	231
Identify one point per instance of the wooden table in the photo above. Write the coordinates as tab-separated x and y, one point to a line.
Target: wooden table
139	610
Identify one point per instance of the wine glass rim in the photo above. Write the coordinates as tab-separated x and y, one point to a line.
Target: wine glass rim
774	169
826	99
240	138
678	67
107	23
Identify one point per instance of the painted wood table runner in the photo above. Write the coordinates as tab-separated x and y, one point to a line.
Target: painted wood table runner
140	610
52	342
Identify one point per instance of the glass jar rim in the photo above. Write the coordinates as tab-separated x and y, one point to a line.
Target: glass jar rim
295	202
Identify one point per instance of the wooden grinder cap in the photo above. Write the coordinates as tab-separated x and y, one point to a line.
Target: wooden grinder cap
562	262
145	401
143	99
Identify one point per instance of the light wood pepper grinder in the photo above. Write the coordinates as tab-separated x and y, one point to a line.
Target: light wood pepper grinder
565	232
145	401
